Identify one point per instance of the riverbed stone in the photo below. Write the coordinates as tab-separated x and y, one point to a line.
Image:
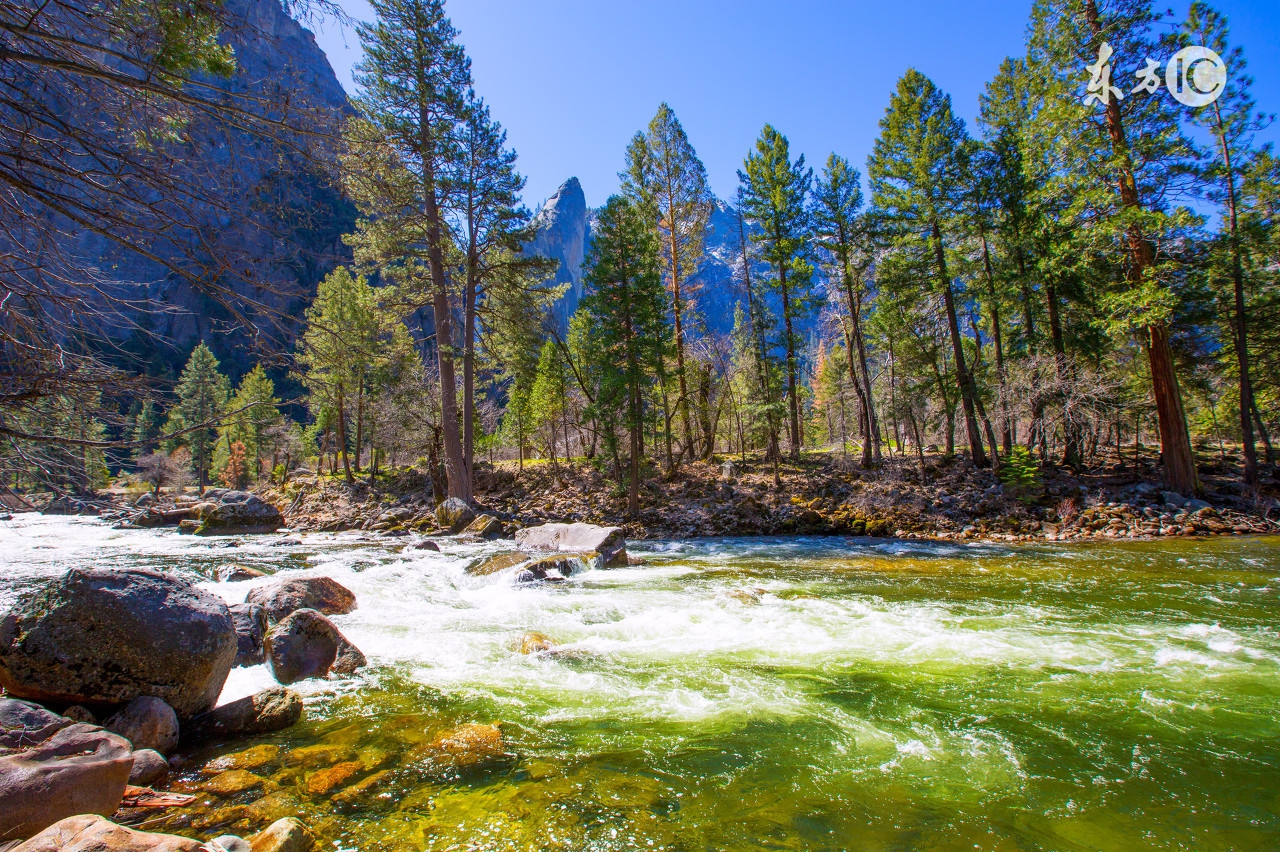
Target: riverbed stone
23	723
324	781
255	757
460	750
240	513
149	766
284	835
238	574
453	515
88	833
609	542
146	722
485	527
495	562
427	544
535	643
322	594
79	769
306	645
251	633
263	712
233	782
103	637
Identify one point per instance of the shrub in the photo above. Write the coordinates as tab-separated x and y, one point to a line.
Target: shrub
1021	474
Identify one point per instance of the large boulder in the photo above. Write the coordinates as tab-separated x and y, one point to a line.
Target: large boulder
454	515
251	633
240	513
86	833
607	542
146	722
261	713
319	593
80	769
305	645
104	637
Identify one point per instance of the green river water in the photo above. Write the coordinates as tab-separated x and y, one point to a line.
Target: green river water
806	694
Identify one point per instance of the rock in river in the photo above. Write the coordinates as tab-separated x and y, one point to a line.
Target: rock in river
146	722
105	637
261	713
149	766
79	769
306	644
87	833
239	513
319	593
251	633
607	542
285	835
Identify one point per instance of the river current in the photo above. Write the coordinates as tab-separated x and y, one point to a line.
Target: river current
807	694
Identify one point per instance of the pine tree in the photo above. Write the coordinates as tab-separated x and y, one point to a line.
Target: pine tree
1117	162
629	336
840	229
548	397
775	192
257	414
1233	122
202	399
401	169
668	182
918	171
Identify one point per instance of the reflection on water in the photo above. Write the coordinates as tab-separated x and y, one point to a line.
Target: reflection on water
762	693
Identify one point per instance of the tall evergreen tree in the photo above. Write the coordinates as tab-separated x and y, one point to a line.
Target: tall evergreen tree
919	175
404	159
202	399
667	180
629	335
257	414
1233	121
1119	158
775	191
841	229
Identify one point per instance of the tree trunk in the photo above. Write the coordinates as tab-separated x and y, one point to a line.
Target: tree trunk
791	364
1071	437
1006	431
342	438
968	392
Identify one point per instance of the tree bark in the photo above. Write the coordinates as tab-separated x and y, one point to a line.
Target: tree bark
968	393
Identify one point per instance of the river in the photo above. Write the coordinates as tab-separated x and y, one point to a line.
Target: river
807	694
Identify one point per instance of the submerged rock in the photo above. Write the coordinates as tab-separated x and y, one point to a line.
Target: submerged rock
454	515
261	713
105	637
427	544
322	594
467	748
535	643
147	723
79	769
285	835
496	562
86	833
238	573
608	542
305	645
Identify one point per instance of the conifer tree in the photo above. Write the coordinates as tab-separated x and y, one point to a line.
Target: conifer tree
629	336
919	176
841	230
775	192
202	398
402	166
1233	123
257	414
548	397
665	178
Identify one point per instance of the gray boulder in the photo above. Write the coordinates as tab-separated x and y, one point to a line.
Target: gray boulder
104	637
261	713
80	769
608	543
149	766
485	527
237	573
87	833
239	513
147	723
319	593
1175	499
251	633
305	645
453	515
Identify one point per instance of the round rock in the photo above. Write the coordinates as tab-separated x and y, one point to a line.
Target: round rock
105	637
319	593
148	723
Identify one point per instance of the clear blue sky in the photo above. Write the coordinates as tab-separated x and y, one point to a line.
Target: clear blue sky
572	80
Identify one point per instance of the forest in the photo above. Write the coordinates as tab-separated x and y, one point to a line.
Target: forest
1087	277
